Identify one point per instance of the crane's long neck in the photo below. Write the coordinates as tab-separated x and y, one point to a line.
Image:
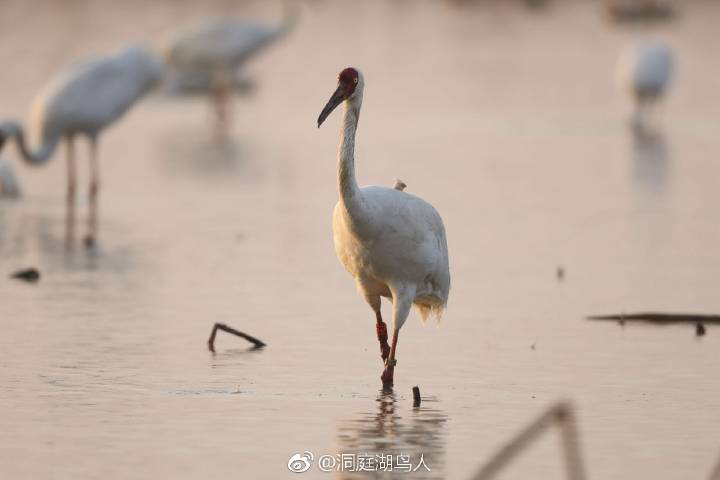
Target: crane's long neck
37	157
347	183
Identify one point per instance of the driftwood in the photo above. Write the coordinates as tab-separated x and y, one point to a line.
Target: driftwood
660	318
663	319
560	414
221	326
27	274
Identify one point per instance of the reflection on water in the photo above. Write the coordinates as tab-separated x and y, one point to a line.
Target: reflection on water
651	160
91	236
198	154
394	427
70	244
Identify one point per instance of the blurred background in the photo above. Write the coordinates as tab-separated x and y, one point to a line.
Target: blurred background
511	117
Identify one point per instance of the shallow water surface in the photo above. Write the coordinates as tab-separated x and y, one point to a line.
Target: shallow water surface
505	118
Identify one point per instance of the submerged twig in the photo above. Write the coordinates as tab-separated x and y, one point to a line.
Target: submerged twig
715	474
225	328
560	414
416	396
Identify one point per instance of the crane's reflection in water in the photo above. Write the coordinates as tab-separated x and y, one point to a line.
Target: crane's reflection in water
189	152
393	427
651	160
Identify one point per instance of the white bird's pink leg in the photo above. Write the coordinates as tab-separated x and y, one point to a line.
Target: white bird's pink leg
221	98
388	373
402	301
380	326
71	174
94	170
382	335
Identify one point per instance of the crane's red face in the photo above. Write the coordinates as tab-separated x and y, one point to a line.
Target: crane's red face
347	82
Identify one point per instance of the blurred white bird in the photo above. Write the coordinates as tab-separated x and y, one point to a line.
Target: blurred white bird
84	100
391	242
646	70
638	10
207	58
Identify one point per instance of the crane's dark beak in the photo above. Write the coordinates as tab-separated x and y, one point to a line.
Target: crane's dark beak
336	99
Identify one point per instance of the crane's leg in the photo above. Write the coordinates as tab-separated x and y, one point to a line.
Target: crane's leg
380	326
388	373
94	170
93	191
382	335
71	173
221	97
402	301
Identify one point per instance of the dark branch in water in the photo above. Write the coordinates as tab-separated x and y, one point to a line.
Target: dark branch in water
225	328
28	274
560	414
416	396
659	318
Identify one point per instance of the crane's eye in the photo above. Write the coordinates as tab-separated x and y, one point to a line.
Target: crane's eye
355	80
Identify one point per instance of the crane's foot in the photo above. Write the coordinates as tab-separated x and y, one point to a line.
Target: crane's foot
387	375
382	335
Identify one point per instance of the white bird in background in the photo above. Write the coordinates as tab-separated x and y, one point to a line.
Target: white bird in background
391	242
208	57
84	100
647	71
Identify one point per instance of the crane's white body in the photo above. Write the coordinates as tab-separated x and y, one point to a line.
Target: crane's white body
399	251
393	243
85	99
646	71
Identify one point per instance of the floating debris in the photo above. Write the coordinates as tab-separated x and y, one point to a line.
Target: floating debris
560	273
416	396
221	326
27	274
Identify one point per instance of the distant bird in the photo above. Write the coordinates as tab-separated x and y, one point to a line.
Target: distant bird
638	10
391	242
83	101
646	70
208	57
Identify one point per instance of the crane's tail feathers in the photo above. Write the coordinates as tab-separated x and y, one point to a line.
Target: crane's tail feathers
427	310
